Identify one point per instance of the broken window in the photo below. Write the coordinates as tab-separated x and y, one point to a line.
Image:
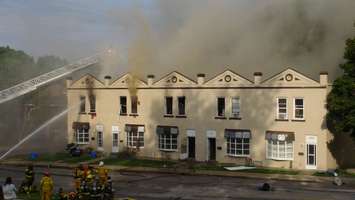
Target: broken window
169	105
92	104
123	105
220	106
82	104
181	105
134	104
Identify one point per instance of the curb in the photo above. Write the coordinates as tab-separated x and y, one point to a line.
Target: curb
245	175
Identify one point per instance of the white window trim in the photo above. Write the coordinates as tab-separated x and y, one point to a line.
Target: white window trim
172	106
280	159
236	155
134	147
278	108
224	114
164	149
240	106
77	137
120	111
294	108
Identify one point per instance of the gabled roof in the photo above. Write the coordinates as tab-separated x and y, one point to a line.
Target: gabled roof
127	80
87	81
228	78
290	77
174	79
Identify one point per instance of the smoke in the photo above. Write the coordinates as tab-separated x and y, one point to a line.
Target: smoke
246	36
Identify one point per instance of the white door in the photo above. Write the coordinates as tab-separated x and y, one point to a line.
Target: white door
115	139
311	152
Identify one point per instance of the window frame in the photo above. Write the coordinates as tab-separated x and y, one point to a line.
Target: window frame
239	103
134	105
278	108
82	134
294	108
100	144
166	106
123	105
278	150
224	111
229	148
82	100
131	139
165	138
178	100
92	102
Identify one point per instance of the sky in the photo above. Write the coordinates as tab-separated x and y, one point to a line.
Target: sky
191	36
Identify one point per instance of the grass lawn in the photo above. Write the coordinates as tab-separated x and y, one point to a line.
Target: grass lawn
272	171
57	157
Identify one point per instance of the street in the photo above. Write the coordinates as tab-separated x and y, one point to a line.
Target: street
170	186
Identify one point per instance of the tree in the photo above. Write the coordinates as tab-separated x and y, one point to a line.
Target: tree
341	99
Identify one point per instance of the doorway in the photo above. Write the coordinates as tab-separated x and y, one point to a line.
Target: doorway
311	150
191	147
211	148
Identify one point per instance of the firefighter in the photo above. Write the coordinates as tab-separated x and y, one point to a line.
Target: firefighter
46	186
78	175
102	172
29	179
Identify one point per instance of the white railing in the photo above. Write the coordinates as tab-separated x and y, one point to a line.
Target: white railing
32	84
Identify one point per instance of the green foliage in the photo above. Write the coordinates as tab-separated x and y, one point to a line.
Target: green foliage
341	99
17	66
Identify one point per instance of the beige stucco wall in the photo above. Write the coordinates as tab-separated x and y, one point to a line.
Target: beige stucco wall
258	113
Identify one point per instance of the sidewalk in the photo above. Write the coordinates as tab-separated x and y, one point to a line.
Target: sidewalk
239	174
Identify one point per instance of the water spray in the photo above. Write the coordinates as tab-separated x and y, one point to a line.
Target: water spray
53	119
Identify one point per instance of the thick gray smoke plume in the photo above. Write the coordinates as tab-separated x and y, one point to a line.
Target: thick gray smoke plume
246	36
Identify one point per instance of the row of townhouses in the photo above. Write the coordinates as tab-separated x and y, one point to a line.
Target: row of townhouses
273	122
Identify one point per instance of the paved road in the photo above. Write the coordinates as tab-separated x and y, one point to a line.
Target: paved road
174	187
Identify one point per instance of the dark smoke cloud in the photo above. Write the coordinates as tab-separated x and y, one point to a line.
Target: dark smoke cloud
246	36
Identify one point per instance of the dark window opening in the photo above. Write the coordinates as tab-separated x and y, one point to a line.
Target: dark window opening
82	104
181	102
221	106
169	105
92	103
134	104
123	105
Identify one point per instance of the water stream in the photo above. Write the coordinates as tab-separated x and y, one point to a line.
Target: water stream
44	125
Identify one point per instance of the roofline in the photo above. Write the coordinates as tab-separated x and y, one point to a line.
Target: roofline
87	74
230	71
166	75
286	70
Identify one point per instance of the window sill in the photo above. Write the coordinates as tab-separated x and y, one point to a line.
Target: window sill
180	116
92	113
281	159
82	143
169	150
133	114
281	120
169	116
298	120
220	117
133	147
123	114
238	156
235	118
82	113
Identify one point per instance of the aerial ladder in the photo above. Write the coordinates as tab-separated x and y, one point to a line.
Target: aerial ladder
34	83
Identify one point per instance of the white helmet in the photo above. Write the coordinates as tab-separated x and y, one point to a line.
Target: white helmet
101	163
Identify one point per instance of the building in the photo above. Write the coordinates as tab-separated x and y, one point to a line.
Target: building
275	122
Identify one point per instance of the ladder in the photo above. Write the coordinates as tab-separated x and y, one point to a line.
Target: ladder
33	84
